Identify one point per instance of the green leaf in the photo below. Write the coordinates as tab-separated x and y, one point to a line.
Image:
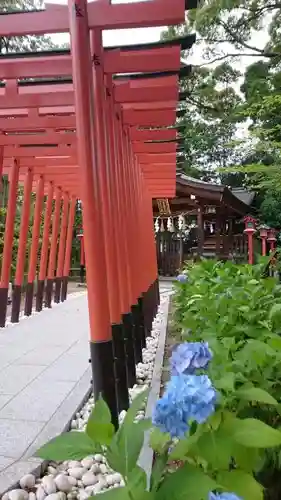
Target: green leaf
183	447
101	412
158	469
275	313
215	448
126	445
226	382
68	446
100	433
256	394
158	440
247	459
254	433
115	494
99	427
137	483
188	482
241	483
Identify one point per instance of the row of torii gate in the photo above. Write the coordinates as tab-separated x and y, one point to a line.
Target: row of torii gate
96	125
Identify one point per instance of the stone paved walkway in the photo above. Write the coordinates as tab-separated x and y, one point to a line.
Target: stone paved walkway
44	375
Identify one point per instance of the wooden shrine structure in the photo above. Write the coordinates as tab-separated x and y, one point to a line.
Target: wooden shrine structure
97	125
203	219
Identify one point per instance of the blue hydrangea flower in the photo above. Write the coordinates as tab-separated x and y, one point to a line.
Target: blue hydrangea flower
186	398
182	278
189	356
224	496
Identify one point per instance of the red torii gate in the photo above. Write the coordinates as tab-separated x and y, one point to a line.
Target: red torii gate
99	139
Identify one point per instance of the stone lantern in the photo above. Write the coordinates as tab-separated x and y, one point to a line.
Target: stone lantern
250	229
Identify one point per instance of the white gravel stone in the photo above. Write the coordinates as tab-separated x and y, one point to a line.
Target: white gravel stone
27	481
82	495
72	480
56	496
87	462
18	494
77	472
95	468
73	463
89	479
49	485
98	458
103	468
40	493
52	470
62	483
117	477
31	496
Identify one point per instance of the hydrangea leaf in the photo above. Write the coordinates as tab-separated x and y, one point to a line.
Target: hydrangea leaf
241	483
68	446
137	483
99	427
256	394
215	448
158	440
186	482
126	445
254	433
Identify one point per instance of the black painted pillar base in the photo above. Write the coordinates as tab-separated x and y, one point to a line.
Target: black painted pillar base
16	301
120	366
143	329
28	299
64	285
49	293
58	283
39	295
128	326
3	306
104	376
82	274
138	333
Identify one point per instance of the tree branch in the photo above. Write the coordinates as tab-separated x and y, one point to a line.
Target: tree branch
261	52
221	58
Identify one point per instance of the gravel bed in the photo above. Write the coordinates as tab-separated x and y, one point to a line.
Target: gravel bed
78	480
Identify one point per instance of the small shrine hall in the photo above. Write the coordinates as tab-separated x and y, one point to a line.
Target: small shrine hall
98	125
203	220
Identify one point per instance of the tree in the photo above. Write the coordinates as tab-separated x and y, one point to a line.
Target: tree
209	117
226	28
27	43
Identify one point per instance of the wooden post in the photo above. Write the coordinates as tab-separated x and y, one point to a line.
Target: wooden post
45	248
200	230
8	242
92	198
34	247
53	249
62	237
68	248
21	255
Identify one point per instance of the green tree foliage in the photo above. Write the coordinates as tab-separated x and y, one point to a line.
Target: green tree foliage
226	28
23	43
209	118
